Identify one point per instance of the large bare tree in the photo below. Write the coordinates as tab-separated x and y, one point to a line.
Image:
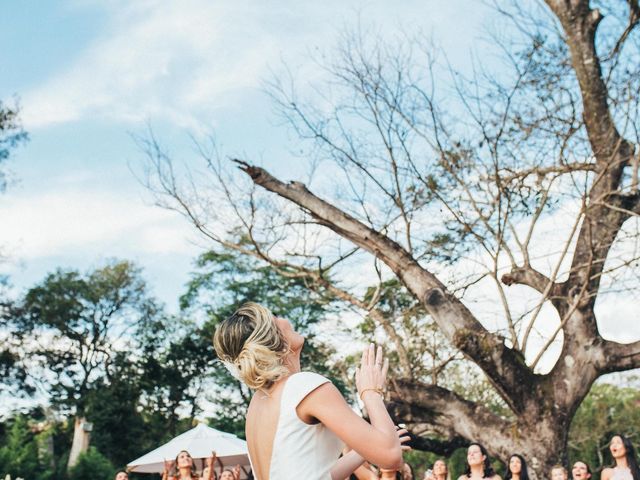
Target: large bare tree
503	199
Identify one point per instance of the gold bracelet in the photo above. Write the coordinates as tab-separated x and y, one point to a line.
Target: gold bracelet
377	390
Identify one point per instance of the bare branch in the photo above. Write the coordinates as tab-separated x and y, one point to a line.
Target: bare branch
502	365
634	20
617	357
529	276
445	410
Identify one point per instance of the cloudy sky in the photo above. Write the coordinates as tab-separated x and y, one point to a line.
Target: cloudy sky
92	74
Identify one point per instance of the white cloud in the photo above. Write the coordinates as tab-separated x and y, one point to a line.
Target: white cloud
159	59
181	60
62	221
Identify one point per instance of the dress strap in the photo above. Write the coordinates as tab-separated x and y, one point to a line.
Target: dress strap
298	386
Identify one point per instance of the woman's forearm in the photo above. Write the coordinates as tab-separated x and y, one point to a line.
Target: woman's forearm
381	421
379	417
346	465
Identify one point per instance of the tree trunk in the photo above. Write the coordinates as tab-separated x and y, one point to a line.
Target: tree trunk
539	433
543	444
81	436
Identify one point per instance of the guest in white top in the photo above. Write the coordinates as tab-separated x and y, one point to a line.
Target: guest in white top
298	421
626	463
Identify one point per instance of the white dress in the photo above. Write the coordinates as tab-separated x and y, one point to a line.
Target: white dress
620	473
302	451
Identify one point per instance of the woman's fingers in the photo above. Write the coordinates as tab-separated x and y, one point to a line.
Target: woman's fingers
373	366
401	431
379	357
383	374
372	356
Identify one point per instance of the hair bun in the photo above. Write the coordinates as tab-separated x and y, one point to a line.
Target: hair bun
252	342
259	367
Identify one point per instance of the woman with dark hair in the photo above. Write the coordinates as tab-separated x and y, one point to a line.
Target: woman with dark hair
231	474
517	468
478	464
439	471
580	471
183	468
122	475
626	463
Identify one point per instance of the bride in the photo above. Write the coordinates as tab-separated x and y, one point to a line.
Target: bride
297	421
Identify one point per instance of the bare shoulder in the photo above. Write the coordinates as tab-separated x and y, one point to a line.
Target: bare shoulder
606	473
463	477
496	477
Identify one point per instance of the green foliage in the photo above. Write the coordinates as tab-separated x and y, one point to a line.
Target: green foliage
176	359
420	461
11	134
111	355
607	410
23	452
83	318
92	465
119	428
457	463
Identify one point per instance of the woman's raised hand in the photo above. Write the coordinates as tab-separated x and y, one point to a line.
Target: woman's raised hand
236	472
167	468
371	375
403	435
212	459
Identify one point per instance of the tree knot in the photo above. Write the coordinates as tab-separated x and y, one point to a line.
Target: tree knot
434	297
298	186
508	279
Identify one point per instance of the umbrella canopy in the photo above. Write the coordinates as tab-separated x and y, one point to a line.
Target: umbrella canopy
200	441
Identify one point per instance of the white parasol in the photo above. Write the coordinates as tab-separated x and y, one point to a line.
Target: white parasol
200	441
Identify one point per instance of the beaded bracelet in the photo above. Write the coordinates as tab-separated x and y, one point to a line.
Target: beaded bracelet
377	390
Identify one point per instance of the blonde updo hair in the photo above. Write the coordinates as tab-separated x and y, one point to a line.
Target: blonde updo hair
252	343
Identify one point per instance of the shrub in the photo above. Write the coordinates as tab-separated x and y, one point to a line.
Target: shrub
92	465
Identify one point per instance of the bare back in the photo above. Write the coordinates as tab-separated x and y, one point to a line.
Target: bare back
260	428
284	441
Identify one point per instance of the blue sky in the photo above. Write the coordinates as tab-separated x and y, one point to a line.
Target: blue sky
90	74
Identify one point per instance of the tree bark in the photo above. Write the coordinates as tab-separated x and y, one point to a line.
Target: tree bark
504	367
81	438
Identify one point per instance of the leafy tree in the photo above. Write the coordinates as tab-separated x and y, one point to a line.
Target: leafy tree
11	135
92	464
606	411
72	325
176	357
22	453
